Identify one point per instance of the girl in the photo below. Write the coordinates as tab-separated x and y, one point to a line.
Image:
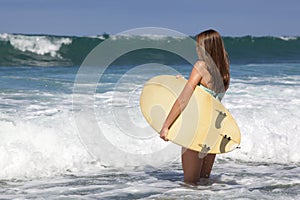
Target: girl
211	72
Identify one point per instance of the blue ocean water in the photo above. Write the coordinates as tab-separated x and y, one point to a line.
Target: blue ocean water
45	154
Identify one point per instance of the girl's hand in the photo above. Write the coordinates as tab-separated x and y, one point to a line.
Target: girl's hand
163	134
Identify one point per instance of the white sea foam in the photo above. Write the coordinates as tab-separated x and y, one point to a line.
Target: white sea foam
40	45
40	137
153	37
269	119
287	38
40	147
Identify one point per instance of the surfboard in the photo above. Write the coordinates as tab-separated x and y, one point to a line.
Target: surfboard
205	125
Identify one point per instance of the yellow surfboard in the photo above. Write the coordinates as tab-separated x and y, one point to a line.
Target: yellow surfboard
205	125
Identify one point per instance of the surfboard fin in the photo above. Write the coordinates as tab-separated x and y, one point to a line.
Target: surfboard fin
219	119
224	142
204	151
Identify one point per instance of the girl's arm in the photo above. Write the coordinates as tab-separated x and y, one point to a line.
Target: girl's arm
181	101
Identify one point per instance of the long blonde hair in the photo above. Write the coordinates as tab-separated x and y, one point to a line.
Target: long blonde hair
213	44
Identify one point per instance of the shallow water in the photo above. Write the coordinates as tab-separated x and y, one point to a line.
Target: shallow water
230	180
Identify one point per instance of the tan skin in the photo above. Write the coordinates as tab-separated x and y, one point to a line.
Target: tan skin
194	167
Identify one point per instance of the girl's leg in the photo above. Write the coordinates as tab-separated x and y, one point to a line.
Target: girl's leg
191	165
208	162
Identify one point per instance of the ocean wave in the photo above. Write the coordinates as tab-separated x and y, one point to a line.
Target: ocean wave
50	50
40	45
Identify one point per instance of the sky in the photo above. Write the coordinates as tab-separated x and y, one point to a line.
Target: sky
95	17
